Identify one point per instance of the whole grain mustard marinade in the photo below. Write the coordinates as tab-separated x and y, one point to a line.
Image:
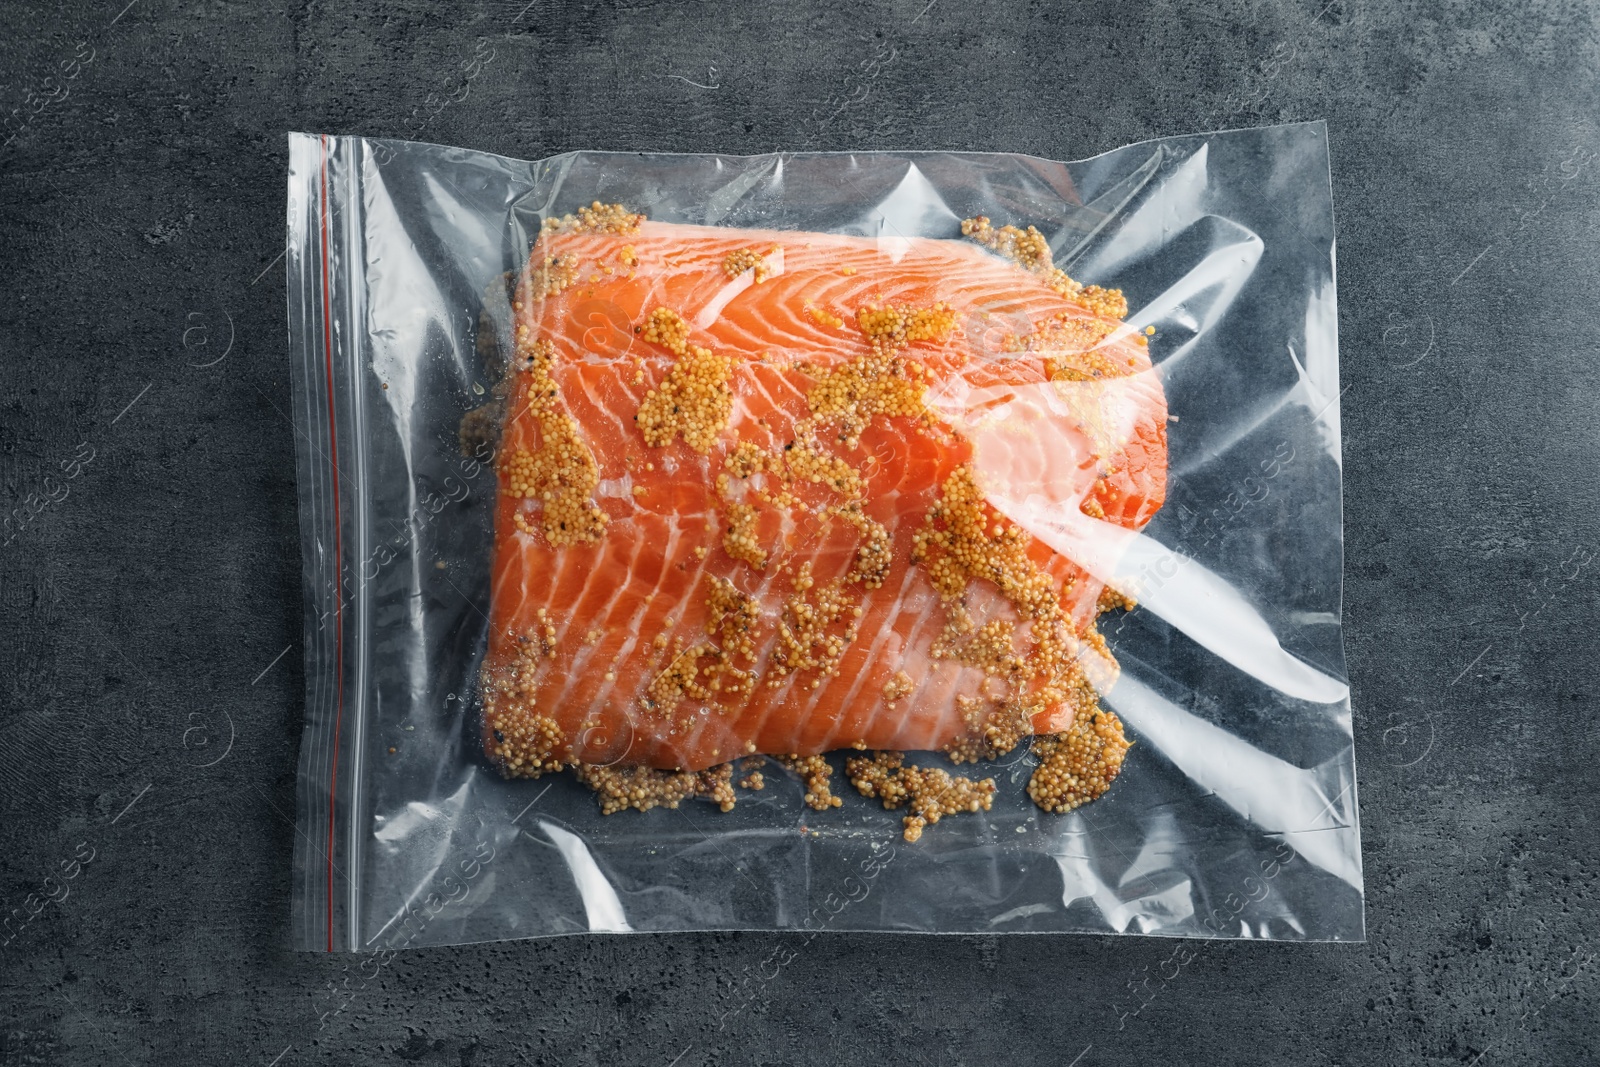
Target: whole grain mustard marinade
746	508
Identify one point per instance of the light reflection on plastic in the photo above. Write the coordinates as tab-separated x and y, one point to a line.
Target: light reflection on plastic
600	901
1304	805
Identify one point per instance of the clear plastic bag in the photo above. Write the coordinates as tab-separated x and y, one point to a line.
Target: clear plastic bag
1235	811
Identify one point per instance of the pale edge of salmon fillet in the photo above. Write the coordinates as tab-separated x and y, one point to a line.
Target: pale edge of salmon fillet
1063	347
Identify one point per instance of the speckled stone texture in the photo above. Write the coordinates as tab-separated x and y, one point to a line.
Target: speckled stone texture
150	590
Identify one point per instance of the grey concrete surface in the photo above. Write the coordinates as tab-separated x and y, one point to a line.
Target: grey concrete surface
151	594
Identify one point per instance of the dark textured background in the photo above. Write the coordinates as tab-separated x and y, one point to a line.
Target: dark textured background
145	593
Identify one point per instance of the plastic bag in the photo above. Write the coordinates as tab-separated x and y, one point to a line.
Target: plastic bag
1235	812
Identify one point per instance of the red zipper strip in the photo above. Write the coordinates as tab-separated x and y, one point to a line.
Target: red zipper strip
338	545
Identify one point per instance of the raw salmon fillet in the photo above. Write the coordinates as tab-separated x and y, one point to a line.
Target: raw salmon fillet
743	485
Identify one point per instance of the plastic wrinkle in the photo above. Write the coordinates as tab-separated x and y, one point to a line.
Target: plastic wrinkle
1191	598
1270	792
601	905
